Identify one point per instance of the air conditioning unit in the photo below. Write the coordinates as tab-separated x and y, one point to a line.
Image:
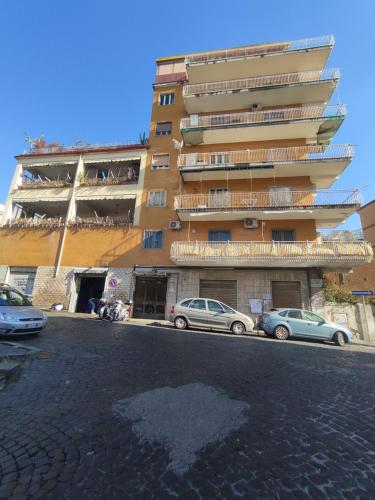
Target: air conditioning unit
175	225
250	223
256	107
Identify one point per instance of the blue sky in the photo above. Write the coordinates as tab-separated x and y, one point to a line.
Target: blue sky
83	70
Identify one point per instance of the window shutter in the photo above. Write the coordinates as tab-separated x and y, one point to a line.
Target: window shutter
160	161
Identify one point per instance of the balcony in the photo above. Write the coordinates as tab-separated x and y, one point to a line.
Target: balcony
38	214
313	123
273	90
329	208
103	213
321	163
256	60
46	181
109	173
328	254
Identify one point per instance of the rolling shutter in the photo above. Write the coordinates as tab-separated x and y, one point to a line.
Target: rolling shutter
223	290
22	279
286	294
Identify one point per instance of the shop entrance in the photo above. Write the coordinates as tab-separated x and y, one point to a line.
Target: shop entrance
88	287
150	296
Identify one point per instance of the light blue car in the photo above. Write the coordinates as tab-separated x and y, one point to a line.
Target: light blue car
285	323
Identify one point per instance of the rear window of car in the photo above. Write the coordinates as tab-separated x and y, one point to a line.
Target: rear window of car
186	303
198	304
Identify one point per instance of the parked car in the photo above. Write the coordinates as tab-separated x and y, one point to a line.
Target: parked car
211	314
17	314
284	323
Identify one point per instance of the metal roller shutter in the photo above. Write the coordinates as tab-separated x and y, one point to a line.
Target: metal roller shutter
22	279
223	290
286	294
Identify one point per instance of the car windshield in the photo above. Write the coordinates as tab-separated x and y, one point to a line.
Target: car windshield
10	297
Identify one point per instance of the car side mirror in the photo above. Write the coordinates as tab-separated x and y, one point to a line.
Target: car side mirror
29	298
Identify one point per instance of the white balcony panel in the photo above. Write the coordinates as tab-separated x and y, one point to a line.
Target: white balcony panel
303	254
109	191
245	98
260	59
313	123
321	163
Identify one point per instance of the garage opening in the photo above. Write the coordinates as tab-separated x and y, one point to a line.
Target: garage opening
22	278
223	290
150	296
286	294
89	287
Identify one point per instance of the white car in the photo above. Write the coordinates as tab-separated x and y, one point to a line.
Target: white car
211	314
17	314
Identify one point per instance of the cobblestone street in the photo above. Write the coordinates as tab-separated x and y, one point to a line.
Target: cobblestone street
249	417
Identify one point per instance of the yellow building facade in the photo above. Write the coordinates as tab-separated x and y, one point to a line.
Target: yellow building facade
224	199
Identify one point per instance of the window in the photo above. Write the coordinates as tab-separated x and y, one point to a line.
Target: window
218	236
166	99
152	239
283	235
214	306
312	317
186	303
198	304
160	162
163	128
157	198
280	196
295	314
226	308
283	313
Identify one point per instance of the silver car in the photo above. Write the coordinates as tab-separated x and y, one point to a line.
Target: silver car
209	313
17	315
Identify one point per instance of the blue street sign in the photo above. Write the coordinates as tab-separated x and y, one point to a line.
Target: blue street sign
363	293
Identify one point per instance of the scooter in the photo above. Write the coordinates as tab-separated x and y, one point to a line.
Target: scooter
119	311
103	308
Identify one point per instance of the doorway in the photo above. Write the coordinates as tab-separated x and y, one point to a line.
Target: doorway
150	296
88	287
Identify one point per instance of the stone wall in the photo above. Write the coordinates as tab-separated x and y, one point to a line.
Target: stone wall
123	279
3	273
50	289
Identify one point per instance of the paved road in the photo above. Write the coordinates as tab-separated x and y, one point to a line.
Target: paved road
109	411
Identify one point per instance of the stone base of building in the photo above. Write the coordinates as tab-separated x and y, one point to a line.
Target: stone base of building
155	289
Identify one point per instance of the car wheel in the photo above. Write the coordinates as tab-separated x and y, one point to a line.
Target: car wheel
180	323
281	332
238	328
339	339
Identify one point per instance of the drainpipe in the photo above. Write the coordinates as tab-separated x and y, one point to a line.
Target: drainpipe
69	215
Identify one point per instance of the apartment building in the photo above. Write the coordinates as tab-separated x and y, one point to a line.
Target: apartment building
225	200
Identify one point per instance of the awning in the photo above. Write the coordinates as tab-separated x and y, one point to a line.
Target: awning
54	164
90	270
40	200
113	160
107	197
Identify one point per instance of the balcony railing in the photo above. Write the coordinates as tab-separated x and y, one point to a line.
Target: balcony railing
31	222
108	181
267	200
102	221
56	148
258	50
269	250
262	82
259	117
221	159
28	183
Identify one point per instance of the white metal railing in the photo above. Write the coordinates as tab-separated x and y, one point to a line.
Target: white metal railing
271	199
266	116
27	222
263	250
261	49
306	153
261	82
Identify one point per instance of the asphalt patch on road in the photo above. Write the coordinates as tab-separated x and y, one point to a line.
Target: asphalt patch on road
184	419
